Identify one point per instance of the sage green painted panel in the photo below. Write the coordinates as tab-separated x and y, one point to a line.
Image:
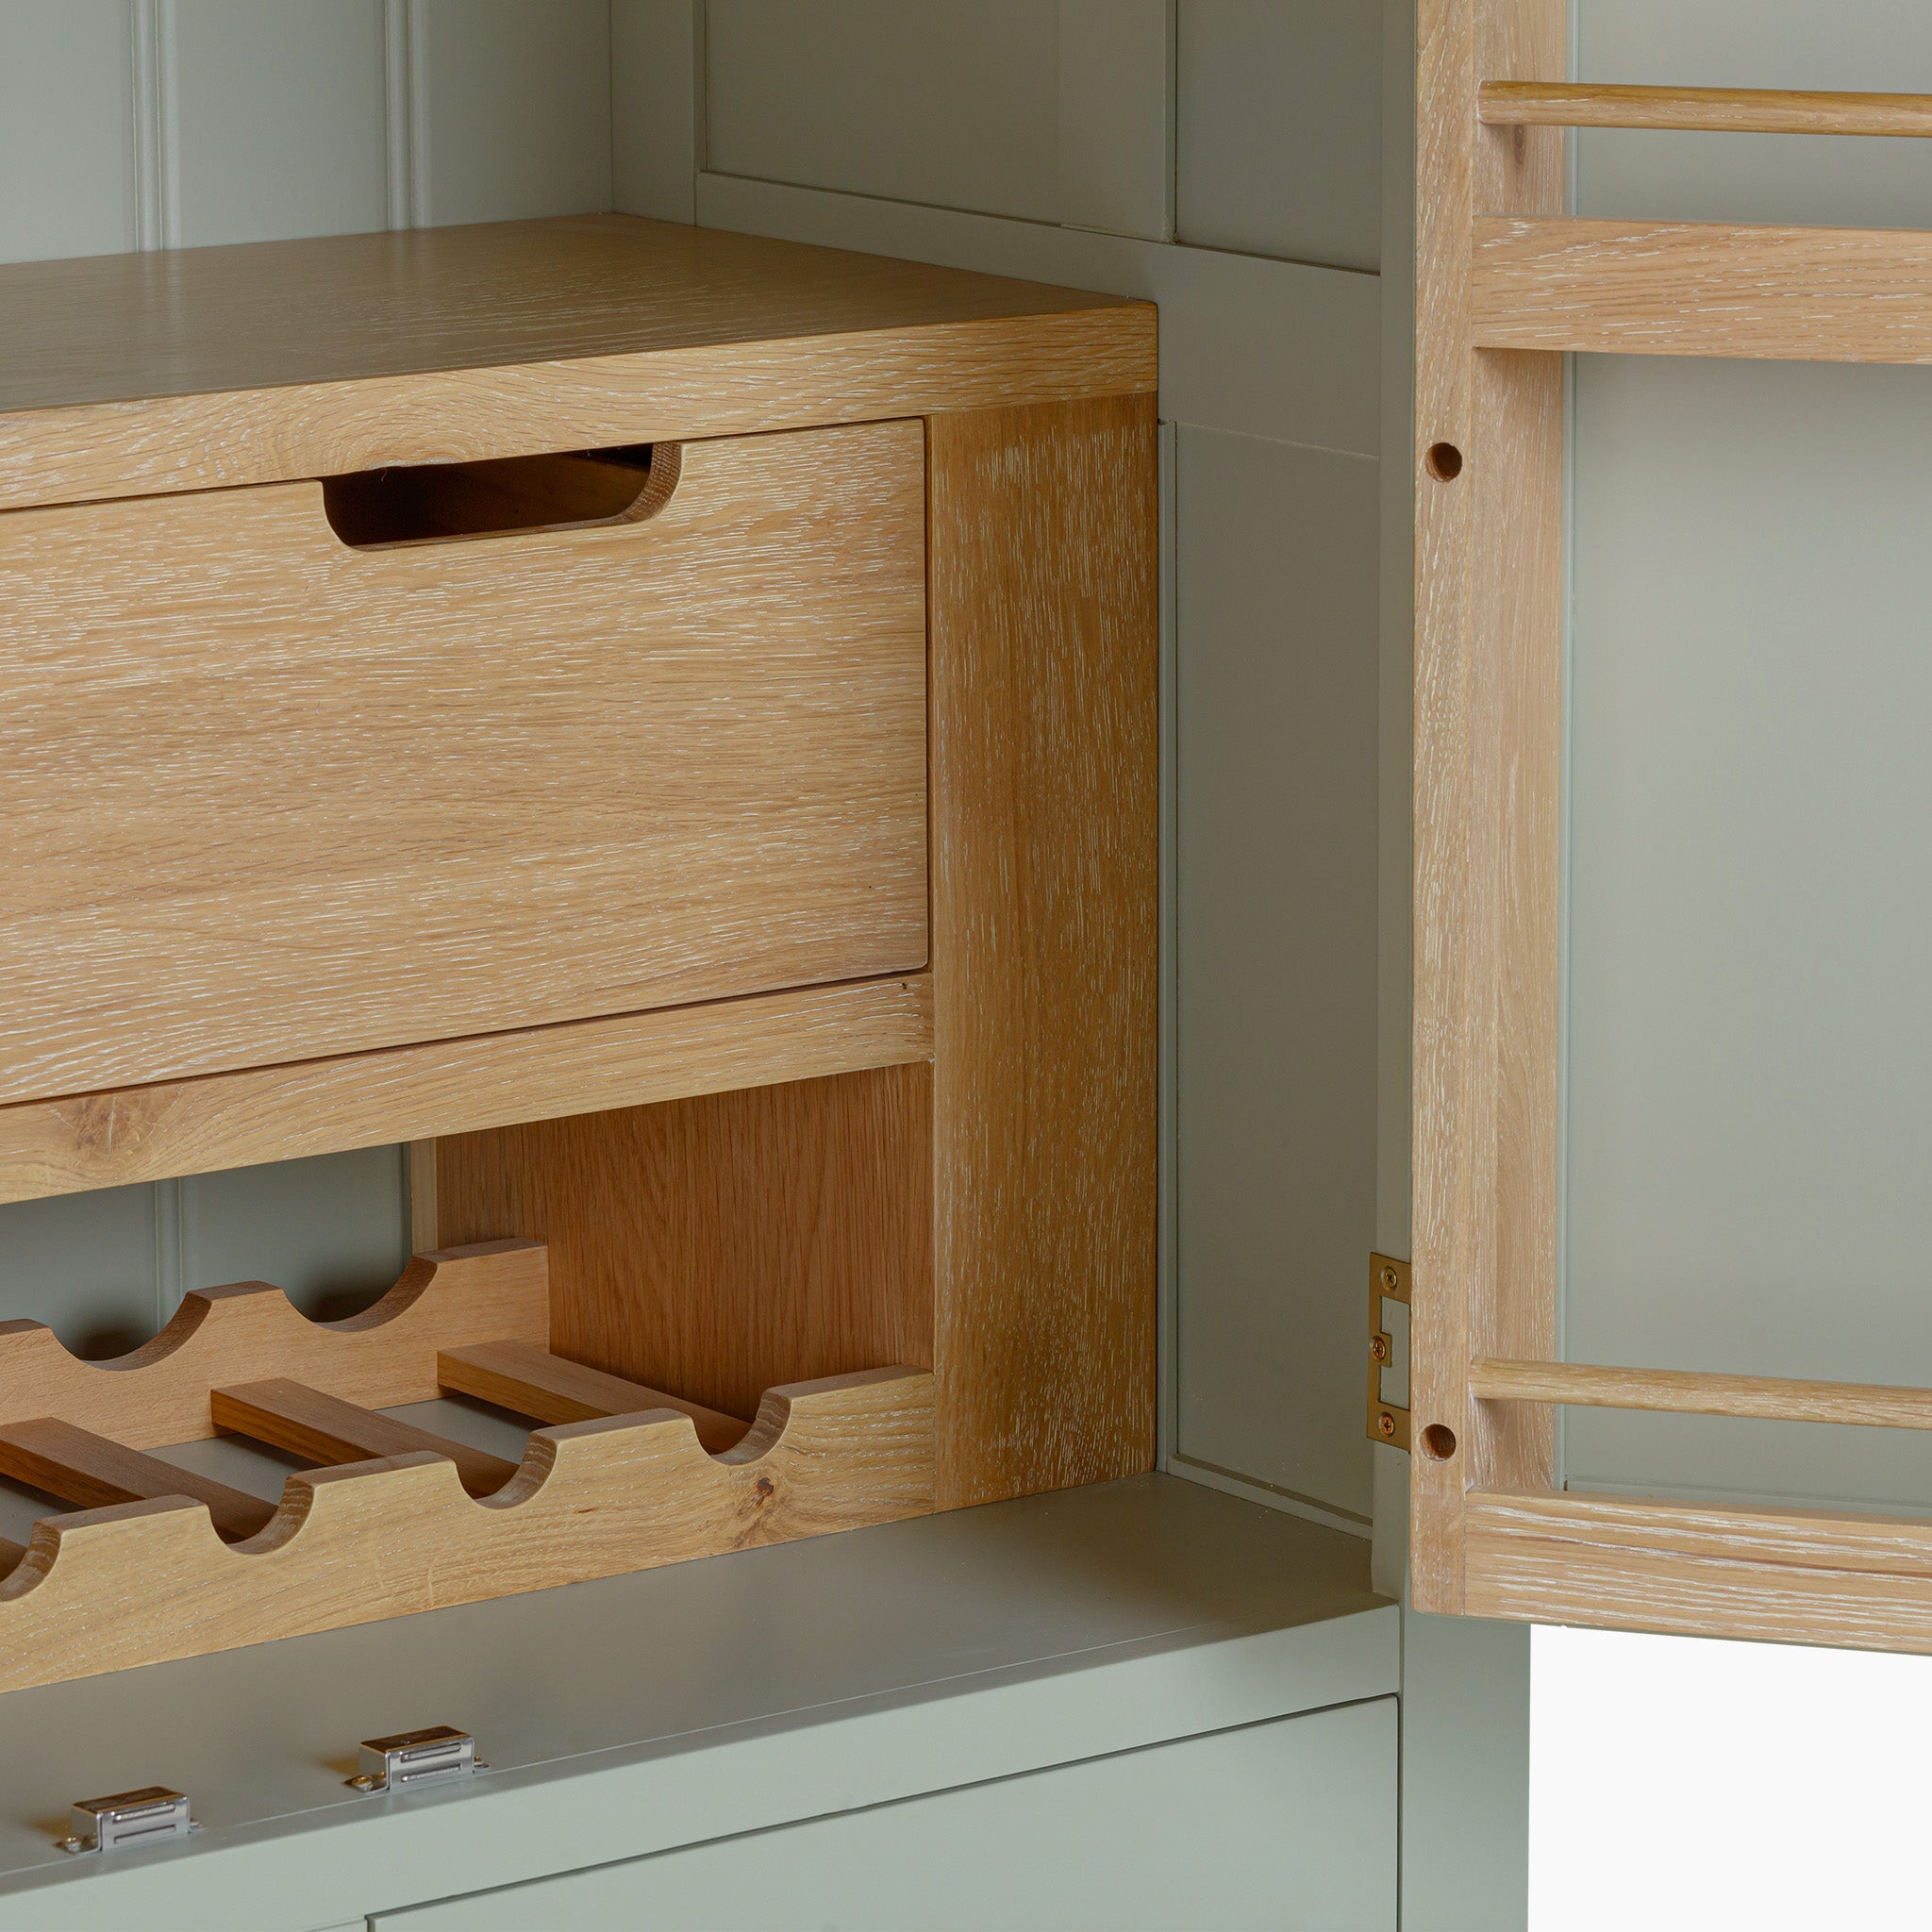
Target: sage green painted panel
644	1713
66	128
1465	1775
512	109
1881	46
332	1232
105	1268
1748	1032
277	119
1278	128
954	106
1278	677
86	1265
1289	1825
1751	806
653	109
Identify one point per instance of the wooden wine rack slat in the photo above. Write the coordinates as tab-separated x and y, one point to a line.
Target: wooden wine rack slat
94	1472
324	1429
536	1383
424	1525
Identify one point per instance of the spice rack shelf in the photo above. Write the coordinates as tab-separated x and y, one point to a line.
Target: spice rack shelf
1507	285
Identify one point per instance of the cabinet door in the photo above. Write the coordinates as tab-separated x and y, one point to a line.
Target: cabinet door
1290	1823
1670	808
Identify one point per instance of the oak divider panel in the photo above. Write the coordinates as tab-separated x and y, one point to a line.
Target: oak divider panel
726	1243
1045	829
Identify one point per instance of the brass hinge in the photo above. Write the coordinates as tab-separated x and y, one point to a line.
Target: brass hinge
1388	1281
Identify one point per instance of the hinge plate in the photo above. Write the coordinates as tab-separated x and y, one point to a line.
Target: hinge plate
1388	1281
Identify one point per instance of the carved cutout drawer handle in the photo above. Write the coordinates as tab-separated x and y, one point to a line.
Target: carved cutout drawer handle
442	502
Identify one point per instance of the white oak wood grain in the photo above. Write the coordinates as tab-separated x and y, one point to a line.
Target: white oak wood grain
82	1467
1045	906
321	1428
457	1087
390	1537
725	1244
1716	109
273	799
1773	1576
1488	552
533	1382
1681	1392
1703	288
383	1358
203	368
1440	1099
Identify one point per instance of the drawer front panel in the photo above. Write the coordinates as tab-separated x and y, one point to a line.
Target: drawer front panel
1283	1826
268	798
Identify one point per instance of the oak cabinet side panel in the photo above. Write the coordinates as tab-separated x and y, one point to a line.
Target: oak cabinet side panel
1044	823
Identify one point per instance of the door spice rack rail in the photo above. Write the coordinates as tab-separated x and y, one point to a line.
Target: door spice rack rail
1507	286
664	725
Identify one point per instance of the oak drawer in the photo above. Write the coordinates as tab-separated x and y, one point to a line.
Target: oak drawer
268	796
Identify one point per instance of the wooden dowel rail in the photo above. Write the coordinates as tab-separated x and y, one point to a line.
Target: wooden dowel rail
1679	1392
1701	109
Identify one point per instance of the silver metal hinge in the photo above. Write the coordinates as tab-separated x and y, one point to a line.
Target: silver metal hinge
145	1817
1388	1281
412	1759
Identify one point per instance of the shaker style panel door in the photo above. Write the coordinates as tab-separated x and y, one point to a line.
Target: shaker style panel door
272	794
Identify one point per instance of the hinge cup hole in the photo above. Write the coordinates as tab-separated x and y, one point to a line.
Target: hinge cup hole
1439	1441
1443	461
